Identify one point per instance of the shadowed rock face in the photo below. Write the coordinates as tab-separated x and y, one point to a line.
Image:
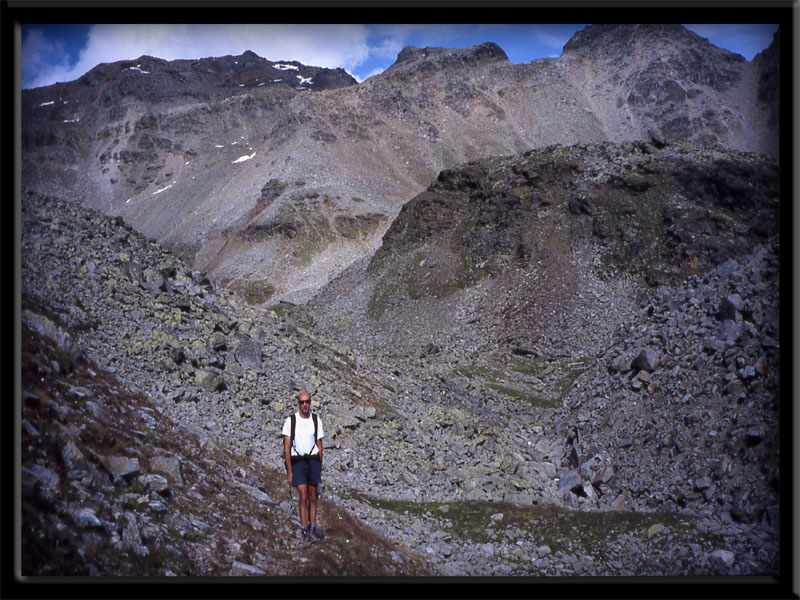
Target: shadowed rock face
517	238
184	150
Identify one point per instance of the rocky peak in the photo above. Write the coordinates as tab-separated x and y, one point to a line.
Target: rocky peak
208	76
606	35
610	40
414	57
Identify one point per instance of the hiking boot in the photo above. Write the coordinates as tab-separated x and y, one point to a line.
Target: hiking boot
317	533
305	535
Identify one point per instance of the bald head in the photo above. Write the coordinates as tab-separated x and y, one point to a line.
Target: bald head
303	397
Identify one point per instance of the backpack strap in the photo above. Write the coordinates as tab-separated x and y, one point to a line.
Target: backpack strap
294	423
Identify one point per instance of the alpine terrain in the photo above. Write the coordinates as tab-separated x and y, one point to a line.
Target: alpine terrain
536	307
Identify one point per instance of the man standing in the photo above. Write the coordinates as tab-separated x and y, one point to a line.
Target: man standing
302	450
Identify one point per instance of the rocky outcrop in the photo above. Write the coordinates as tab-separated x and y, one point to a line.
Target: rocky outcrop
412	60
522	251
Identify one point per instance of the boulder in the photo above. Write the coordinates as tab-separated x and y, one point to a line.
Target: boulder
85	517
645	360
248	354
167	465
723	559
730	306
121	468
155	483
569	480
755	435
74	460
239	569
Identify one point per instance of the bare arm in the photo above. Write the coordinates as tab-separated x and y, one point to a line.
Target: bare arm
287	457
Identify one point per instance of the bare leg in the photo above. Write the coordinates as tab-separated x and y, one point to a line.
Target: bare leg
302	491
312	503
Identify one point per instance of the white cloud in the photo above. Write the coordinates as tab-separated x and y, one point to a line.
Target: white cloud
363	78
43	56
318	45
551	38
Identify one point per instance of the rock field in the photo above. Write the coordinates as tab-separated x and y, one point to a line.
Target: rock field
450	477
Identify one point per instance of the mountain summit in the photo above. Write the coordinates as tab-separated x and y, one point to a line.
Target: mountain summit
273	177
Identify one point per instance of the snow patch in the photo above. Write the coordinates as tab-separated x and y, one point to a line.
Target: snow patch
162	190
243	158
48	103
138	68
284	67
71	120
304	80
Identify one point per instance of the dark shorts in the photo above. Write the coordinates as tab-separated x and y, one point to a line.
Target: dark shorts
306	472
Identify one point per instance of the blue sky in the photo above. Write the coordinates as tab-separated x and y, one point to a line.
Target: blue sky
52	53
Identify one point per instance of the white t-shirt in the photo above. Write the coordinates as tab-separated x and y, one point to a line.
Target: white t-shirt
303	434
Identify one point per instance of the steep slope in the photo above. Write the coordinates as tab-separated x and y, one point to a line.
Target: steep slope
152	403
666	82
546	251
273	188
111	486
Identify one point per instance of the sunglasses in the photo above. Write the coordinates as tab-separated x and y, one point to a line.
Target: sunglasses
304	401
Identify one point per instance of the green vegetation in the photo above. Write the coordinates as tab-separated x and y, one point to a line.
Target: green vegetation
536	380
560	529
257	291
314	232
429	272
360	227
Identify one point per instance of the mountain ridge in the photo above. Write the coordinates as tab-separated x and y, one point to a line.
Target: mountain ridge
354	153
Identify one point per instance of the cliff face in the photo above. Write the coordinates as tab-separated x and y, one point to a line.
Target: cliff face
666	82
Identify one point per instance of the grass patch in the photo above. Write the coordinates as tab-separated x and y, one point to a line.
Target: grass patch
429	272
559	528
255	292
314	232
538	381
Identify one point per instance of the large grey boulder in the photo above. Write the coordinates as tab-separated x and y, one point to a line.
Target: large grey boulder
248	353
